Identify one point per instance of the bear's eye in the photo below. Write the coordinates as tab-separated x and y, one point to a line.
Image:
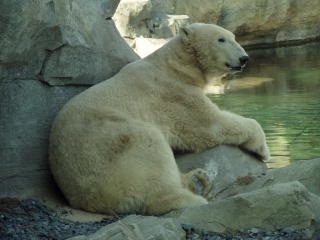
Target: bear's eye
221	40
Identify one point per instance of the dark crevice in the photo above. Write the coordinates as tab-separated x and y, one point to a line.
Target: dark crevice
76	85
48	54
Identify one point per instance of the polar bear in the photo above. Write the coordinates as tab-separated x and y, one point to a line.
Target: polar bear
111	147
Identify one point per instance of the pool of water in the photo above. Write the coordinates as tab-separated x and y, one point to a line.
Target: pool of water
280	88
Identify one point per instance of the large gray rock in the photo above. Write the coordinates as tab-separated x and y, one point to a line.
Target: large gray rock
268	209
139	227
61	41
43	43
226	166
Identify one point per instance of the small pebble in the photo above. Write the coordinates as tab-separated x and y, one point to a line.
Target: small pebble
254	230
287	230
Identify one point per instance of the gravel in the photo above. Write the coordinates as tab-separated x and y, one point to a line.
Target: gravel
31	219
253	234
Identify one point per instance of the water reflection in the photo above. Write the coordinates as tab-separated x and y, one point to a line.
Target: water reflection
280	88
236	83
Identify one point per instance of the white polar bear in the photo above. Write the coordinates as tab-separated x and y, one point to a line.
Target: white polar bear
111	146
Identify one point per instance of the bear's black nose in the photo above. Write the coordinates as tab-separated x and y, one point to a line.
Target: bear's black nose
244	60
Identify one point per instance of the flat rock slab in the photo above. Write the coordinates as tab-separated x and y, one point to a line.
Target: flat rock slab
270	208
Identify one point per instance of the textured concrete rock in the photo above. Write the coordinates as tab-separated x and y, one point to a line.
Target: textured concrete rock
61	41
269	208
27	110
226	166
43	43
139	227
306	172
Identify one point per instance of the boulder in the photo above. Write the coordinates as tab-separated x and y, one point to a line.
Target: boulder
44	45
61	42
226	166
304	171
139	227
147	19
268	209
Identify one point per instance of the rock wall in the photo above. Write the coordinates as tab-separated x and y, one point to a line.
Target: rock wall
43	46
271	22
255	23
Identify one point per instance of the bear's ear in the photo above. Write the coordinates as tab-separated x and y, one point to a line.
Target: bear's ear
185	34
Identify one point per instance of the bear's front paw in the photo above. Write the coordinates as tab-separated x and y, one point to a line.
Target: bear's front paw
260	149
262	152
198	182
256	143
265	153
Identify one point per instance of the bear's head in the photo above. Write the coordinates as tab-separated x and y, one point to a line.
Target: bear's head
214	48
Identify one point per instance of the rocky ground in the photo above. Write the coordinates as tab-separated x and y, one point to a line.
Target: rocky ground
30	219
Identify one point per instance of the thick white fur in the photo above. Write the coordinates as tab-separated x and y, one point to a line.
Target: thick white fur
111	146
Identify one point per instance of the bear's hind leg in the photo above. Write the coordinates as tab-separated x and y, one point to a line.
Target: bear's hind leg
197	181
141	175
173	200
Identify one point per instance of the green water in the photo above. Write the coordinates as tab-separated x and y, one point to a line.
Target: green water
280	88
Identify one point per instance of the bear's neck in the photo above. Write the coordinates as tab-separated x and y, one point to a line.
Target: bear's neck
181	64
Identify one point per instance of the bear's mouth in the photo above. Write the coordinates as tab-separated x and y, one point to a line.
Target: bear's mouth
234	68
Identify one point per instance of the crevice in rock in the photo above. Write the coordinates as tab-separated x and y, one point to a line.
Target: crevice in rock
23	79
48	54
76	85
224	189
